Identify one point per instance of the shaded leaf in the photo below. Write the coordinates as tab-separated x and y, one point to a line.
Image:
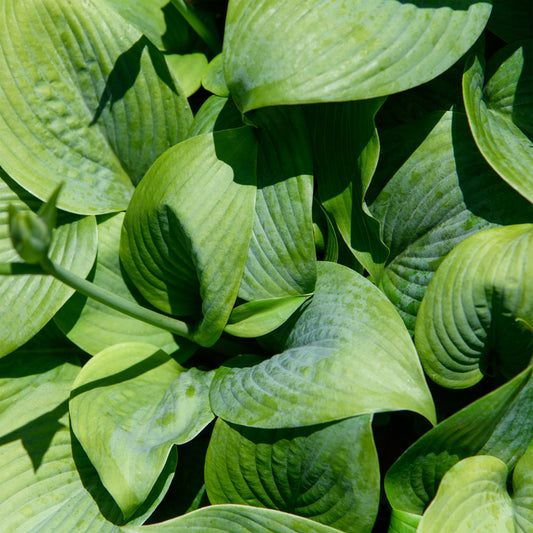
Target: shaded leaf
216	114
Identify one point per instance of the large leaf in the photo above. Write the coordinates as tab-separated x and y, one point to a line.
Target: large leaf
285	54
237	519
48	484
81	94
346	353
497	424
217	113
29	301
443	193
94	326
281	258
473	496
500	112
128	406
328	473
477	314
180	225
346	151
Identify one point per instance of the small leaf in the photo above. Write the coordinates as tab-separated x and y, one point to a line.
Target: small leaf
327	473
466	326
213	80
189	69
345	353
276	55
260	317
128	435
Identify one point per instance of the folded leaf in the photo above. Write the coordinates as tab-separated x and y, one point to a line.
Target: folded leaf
477	313
29	301
94	326
327	473
498	424
128	406
345	353
81	94
194	205
379	47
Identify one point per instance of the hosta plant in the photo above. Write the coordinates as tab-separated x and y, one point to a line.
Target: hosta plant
266	266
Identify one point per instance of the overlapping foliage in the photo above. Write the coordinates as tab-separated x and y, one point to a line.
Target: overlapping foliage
279	225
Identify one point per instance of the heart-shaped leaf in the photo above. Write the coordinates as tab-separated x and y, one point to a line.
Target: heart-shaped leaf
81	94
29	301
128	406
498	424
443	193
180	224
345	353
94	326
327	473
500	112
477	314
379	47
473	496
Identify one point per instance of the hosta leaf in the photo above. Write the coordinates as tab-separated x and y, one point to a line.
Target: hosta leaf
442	194
94	326
511	19
346	353
194	205
498	424
128	406
473	496
189	69
327	473
281	258
346	151
81	94
476	315
216	114
401	522
237	519
286	54
260	317
28	302
500	112
214	80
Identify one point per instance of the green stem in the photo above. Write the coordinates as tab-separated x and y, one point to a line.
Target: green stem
105	297
15	269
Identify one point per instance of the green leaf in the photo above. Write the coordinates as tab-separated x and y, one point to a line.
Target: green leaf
500	112
214	80
81	94
443	193
346	151
94	326
180	224
29	301
401	522
275	55
345	353
216	114
128	435
510	20
260	317
237	519
498	424
327	473
467	324
473	496
281	258
189	69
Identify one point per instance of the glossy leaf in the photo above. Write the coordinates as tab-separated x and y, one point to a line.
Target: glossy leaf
237	519
179	226
85	111
475	314
129	405
361	361
189	69
94	326
498	424
346	151
473	496
443	193
327	473
257	318
281	257
28	302
500	112
378	47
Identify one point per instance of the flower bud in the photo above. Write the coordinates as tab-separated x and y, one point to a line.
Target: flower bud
30	234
